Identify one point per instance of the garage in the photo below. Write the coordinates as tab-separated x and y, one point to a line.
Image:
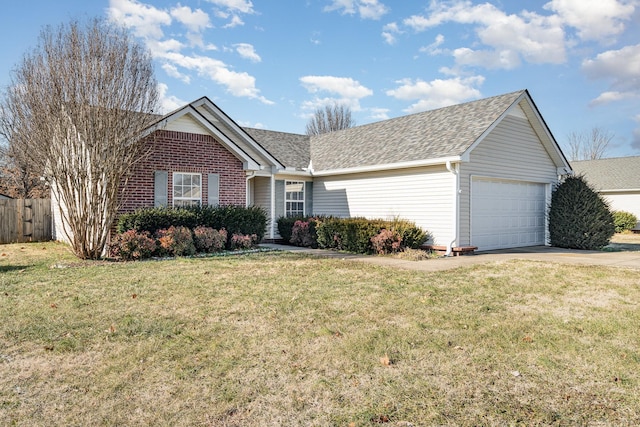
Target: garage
507	214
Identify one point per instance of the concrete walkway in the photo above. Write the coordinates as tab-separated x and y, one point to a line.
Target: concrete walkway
535	253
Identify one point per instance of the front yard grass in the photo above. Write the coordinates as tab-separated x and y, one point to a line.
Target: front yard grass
285	339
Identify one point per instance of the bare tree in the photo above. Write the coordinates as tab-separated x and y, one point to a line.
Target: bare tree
17	178
76	109
330	118
589	145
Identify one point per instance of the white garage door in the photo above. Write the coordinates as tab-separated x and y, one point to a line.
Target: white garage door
507	214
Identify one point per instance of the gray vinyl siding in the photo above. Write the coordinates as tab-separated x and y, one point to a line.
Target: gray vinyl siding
511	151
262	197
423	195
279	199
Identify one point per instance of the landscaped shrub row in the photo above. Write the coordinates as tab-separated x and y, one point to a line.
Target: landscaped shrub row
235	219
359	235
176	241
185	231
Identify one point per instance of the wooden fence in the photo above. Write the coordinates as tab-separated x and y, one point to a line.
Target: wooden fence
25	220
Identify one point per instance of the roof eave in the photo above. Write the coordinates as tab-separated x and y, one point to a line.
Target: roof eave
389	166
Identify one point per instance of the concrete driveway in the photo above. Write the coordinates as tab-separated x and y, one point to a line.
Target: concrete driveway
627	259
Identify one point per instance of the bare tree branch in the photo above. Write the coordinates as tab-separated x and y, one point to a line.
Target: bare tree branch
330	118
75	109
589	145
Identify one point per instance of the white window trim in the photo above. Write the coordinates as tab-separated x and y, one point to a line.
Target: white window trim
173	185
295	201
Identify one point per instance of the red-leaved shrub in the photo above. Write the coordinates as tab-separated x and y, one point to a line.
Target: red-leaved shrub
206	239
303	234
132	245
243	241
386	242
176	241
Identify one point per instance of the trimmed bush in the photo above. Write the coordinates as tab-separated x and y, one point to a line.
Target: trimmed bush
243	241
176	241
386	242
235	219
355	234
132	245
206	239
154	219
578	217
624	221
285	226
304	234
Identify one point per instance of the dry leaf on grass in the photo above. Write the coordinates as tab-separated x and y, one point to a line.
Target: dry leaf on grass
385	360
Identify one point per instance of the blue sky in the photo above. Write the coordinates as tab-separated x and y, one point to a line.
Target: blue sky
270	64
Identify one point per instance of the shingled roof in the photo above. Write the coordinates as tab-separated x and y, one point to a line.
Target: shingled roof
440	133
619	173
292	150
435	134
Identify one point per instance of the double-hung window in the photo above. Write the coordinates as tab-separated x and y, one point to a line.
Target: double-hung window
294	198
187	189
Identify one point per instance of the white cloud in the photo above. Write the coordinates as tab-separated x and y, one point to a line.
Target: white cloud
172	71
594	19
238	84
434	48
342	86
144	20
437	93
232	9
160	48
509	38
389	32
247	51
241	6
611	96
194	20
347	91
621	67
236	21
367	9
168	103
379	113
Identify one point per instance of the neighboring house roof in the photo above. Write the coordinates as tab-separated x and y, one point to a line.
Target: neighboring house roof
440	133
291	149
615	174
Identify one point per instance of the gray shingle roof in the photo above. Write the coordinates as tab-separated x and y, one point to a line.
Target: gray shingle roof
292	150
444	132
620	173
431	134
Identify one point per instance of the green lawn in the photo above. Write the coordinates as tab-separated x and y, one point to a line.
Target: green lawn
284	339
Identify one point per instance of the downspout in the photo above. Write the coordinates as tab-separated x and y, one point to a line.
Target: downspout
455	170
248	188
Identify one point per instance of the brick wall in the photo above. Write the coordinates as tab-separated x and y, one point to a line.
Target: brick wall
173	151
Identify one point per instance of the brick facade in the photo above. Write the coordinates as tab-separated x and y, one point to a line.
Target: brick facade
173	151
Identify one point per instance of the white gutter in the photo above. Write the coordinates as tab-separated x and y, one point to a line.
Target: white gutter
455	170
389	166
620	190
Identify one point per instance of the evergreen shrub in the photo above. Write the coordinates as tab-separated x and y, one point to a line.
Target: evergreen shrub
578	217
